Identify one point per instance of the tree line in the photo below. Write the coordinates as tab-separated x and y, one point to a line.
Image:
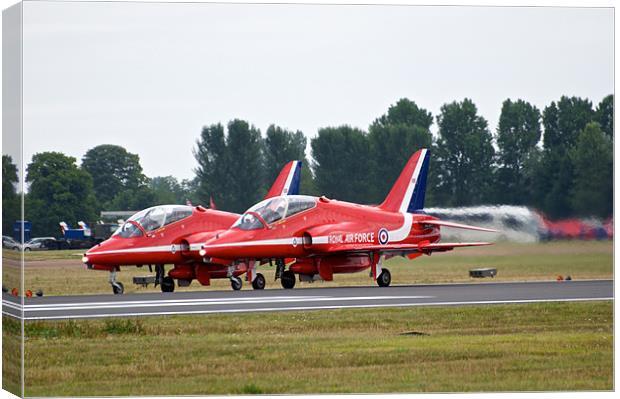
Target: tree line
559	161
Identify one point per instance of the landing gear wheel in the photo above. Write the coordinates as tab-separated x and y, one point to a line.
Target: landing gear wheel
288	279
117	288
236	283
167	284
384	279
259	282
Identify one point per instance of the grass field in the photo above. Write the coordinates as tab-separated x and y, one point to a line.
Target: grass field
61	272
534	347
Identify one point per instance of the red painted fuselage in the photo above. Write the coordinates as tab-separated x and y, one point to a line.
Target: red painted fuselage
328	236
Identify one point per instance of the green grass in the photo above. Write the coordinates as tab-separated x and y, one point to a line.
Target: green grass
11	356
534	347
62	272
44	255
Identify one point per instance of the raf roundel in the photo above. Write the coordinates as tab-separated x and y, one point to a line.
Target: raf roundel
383	236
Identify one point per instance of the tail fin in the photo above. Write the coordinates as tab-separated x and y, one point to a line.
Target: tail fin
287	182
407	194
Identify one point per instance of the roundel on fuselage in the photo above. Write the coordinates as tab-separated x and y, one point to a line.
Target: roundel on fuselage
383	236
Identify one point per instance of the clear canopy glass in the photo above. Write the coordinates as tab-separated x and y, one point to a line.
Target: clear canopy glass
152	219
272	210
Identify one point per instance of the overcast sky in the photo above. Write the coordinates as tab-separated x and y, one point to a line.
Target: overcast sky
149	76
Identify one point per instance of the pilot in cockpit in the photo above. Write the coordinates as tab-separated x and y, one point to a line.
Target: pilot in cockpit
274	210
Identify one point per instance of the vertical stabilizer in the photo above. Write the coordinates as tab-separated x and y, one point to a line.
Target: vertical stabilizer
407	194
287	182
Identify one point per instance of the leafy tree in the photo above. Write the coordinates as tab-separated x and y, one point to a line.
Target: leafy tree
393	138
341	163
189	187
230	167
11	209
134	199
405	112
562	122
214	167
604	115
282	146
168	190
518	133
59	191
592	157
114	171
464	156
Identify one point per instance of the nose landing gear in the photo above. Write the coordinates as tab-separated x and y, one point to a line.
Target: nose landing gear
259	282
117	286
236	283
384	279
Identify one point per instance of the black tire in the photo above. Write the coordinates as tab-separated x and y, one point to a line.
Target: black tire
167	284
259	282
117	288
288	280
384	279
236	283
27	249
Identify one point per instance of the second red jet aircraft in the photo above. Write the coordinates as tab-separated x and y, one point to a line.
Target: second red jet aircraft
327	237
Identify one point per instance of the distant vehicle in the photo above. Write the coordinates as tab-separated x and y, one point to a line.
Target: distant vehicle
84	237
10	243
41	244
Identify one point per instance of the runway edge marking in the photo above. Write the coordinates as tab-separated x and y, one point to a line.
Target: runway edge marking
300	308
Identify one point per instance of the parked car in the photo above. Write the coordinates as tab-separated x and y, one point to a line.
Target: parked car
10	243
41	244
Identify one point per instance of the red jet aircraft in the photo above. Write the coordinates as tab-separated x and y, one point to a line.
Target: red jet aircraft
327	237
173	234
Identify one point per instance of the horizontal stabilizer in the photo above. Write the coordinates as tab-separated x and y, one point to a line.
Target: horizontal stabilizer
455	225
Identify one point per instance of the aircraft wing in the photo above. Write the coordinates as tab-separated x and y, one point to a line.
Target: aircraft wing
406	249
287	182
455	225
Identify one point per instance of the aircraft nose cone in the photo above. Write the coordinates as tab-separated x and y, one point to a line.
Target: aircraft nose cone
90	256
220	246
94	255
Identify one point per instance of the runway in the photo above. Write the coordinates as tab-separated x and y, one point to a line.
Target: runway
208	302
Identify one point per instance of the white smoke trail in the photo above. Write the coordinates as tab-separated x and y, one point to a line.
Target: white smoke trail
515	223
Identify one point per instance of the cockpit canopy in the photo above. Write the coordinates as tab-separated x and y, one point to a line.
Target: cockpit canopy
152	219
273	209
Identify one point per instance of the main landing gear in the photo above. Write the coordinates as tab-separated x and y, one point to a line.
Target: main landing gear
384	279
117	286
288	279
166	283
279	268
